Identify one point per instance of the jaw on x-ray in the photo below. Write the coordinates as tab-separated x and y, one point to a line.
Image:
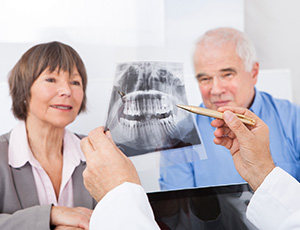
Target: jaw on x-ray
142	115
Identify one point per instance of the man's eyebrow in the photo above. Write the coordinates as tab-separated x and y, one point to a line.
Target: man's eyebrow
201	75
228	70
233	70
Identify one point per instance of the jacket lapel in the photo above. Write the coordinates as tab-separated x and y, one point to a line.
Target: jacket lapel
81	196
25	186
24	182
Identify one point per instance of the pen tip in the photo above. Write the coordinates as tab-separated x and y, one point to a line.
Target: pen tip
181	106
121	93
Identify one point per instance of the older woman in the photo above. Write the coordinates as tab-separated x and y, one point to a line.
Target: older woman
41	163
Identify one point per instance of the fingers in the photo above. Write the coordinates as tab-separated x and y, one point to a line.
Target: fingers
236	125
101	142
108	134
218	123
238	110
109	137
86	146
224	141
224	131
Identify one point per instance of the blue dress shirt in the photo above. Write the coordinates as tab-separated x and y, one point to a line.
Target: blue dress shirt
283	119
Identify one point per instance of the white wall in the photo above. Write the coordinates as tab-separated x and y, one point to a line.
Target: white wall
106	32
274	26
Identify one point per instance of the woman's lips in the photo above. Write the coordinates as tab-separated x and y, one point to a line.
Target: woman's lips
63	107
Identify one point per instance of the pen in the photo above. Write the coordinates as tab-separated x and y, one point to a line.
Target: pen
216	114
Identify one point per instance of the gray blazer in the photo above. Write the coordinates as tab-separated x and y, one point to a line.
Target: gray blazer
19	203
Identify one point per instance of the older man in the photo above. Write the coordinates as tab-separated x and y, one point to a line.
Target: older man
226	69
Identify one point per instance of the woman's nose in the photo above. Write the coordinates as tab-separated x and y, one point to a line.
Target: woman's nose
65	89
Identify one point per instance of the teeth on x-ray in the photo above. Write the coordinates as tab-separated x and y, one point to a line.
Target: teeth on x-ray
147	112
148	107
143	116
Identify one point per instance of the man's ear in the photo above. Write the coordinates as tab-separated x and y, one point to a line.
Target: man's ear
254	72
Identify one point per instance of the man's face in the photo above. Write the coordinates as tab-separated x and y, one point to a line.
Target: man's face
222	78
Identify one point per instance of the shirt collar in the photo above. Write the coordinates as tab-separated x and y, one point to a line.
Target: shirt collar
257	102
72	150
19	152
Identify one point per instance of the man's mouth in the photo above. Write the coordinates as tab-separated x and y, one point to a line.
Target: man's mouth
221	103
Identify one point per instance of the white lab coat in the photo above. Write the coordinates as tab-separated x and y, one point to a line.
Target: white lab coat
124	207
276	203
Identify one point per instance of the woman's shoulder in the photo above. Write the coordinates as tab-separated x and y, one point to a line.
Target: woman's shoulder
4	140
4	137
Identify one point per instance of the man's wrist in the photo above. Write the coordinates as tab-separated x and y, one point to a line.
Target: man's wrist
259	177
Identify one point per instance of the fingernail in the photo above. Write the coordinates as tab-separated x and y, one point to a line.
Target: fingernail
227	116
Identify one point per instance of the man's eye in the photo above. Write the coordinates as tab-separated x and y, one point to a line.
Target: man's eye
227	75
50	80
204	79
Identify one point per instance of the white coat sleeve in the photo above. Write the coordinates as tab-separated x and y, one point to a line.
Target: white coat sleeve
124	207
276	203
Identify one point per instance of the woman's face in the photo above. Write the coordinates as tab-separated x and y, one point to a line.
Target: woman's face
56	98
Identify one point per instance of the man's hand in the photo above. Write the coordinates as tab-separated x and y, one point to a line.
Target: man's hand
107	167
249	146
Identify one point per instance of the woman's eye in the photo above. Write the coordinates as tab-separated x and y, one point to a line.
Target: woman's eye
50	79
75	83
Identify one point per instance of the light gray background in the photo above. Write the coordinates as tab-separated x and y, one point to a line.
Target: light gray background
105	32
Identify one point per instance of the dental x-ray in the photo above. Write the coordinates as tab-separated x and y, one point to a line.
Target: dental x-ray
142	115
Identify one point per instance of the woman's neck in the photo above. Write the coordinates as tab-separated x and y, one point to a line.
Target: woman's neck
46	144
44	140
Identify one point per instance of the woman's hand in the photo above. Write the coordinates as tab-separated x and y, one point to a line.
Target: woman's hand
70	218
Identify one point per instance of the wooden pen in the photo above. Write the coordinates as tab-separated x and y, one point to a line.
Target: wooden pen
216	114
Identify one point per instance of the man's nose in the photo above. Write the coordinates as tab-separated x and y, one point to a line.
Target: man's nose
217	86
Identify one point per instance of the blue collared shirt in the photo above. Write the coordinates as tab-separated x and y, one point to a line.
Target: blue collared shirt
283	119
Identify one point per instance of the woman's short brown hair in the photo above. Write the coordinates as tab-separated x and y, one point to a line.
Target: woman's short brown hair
50	55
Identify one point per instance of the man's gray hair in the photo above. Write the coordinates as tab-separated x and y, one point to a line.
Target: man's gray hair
244	46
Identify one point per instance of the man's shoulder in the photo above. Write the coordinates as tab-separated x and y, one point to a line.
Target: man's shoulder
268	99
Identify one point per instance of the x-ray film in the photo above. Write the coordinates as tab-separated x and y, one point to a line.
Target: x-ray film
143	116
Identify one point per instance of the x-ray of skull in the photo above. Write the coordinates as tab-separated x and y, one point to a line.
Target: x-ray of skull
142	115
